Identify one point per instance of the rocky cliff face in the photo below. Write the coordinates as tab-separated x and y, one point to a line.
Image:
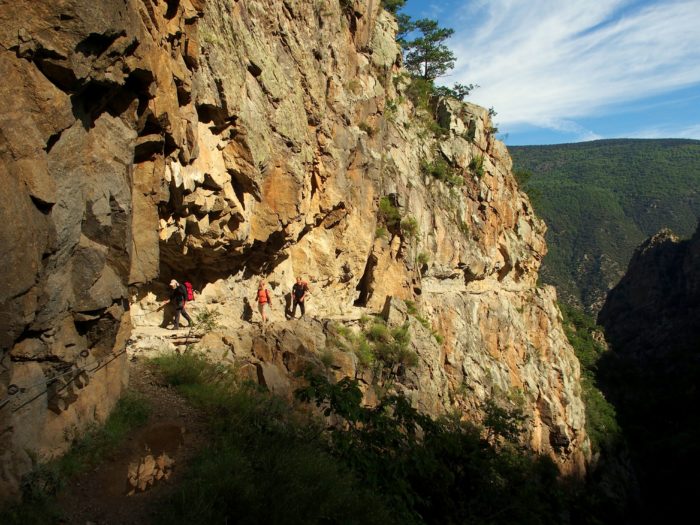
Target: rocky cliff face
224	141
651	321
656	305
67	135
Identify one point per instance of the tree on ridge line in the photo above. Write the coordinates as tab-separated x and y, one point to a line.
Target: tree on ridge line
427	56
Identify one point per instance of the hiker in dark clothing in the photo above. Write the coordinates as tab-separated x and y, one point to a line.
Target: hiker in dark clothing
299	293
178	297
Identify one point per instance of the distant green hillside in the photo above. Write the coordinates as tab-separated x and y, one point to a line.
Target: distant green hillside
601	199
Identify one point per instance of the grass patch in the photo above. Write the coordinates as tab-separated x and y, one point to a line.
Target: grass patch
266	463
355	87
184	369
413	311
379	347
392	108
390	215
378	332
356	342
363	351
434	127
422	320
327	358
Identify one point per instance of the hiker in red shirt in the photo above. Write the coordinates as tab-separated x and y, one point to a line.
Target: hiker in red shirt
263	298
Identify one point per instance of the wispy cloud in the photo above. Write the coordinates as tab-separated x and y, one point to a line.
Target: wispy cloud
547	62
658	132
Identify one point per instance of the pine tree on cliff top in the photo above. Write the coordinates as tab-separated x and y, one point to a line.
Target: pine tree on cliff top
427	56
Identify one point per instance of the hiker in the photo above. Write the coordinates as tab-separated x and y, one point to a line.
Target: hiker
299	292
178	297
263	298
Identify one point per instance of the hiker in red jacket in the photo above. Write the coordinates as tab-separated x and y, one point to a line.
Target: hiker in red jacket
178	297
263	298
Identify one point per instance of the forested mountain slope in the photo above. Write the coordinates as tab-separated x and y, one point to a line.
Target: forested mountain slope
601	199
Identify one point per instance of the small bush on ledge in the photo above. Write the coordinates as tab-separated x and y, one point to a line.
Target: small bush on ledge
388	213
367	129
477	166
410	228
442	170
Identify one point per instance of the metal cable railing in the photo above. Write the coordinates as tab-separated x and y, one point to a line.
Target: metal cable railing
14	391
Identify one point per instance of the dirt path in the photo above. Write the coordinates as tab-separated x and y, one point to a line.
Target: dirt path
175	431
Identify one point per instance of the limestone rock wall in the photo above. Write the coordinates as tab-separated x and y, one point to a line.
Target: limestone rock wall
225	140
304	125
79	91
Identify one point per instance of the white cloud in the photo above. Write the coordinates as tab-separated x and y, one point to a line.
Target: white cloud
569	126
546	62
660	132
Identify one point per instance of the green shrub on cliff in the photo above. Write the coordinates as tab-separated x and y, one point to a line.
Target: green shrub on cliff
378	346
442	170
477	166
419	92
388	213
410	228
457	91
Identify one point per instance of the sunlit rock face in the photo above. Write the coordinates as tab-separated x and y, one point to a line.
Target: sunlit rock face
224	141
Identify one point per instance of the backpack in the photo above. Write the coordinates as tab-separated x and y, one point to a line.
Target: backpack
190	291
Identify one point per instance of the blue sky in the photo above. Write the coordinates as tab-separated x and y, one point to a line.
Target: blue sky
573	70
